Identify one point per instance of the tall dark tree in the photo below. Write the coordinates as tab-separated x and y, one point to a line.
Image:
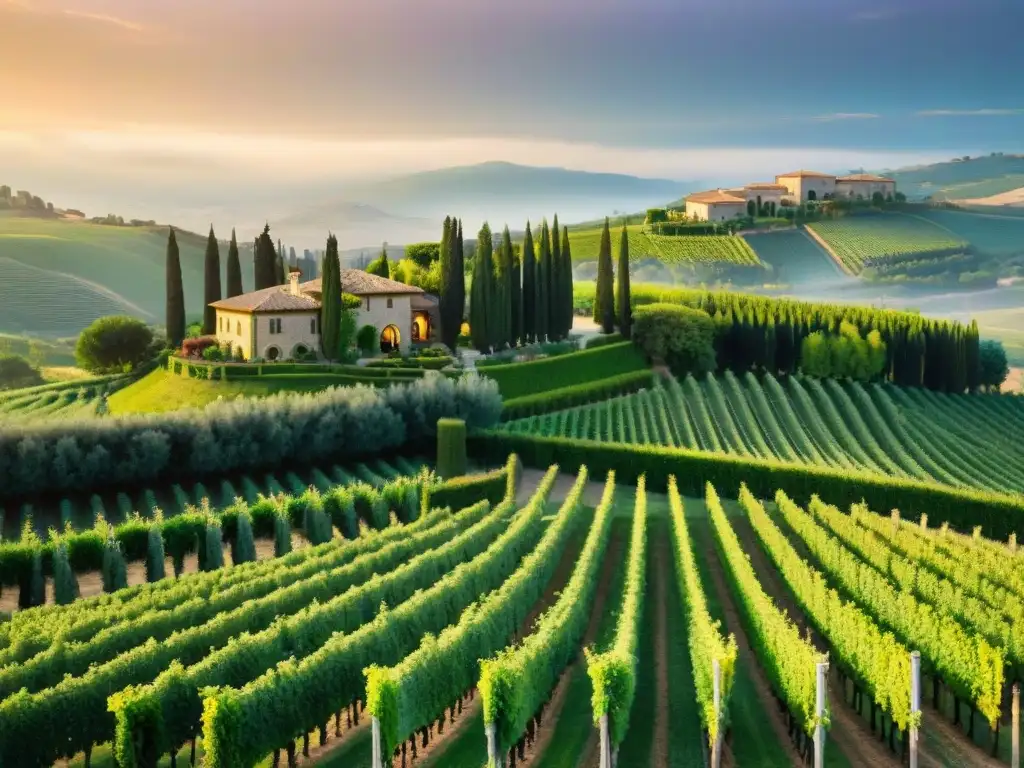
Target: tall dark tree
625	313
543	280
460	258
517	298
267	271
481	314
330	302
211	283
604	296
503	292
175	295
450	312
567	297
234	286
529	298
555	320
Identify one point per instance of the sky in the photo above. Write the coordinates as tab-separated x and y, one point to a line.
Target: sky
159	97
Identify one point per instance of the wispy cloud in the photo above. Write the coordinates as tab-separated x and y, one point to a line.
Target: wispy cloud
847	116
969	112
106	19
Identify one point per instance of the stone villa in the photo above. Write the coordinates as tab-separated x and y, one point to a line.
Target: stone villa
283	322
787	189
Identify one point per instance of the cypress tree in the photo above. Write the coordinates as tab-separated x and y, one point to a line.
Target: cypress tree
554	287
451	273
543	280
625	313
155	568
114	570
213	548
529	290
503	291
65	585
37	583
604	297
243	548
266	271
460	273
567	296
211	283
175	295
517	299
282	534
482	292
234	282
330	302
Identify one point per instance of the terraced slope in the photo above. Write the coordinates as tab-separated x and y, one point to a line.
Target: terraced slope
956	440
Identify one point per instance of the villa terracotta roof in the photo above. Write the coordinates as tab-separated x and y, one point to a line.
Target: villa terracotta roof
360	283
715	196
866	177
277	298
424	302
808	174
766	185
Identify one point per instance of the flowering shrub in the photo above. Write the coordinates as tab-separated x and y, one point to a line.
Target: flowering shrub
194	348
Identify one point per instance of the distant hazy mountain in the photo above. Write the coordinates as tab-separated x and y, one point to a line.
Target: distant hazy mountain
355	224
409	208
960	178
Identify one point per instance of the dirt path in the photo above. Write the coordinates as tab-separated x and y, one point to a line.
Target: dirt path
747	658
535	752
849	731
563	484
662	569
946	741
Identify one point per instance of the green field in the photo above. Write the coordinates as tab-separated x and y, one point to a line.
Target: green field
684	249
794	258
957	440
862	241
994	234
62	275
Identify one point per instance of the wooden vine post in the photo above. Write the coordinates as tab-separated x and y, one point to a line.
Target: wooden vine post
819	711
494	758
1015	735
915	703
378	759
606	743
716	748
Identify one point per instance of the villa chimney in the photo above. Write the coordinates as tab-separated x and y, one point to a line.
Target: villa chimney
293	282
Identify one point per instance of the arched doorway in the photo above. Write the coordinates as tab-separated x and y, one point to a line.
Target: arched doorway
420	326
812	195
273	353
390	339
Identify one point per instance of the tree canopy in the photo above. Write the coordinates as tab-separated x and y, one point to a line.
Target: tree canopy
114	343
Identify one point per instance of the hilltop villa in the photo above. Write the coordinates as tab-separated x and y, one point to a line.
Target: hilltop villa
788	189
283	322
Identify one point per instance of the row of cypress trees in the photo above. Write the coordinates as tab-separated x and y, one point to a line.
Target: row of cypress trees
514	299
611	306
175	306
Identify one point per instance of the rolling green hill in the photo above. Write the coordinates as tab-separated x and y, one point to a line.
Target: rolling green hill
60	275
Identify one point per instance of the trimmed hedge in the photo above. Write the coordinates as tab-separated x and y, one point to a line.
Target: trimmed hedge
241	435
578	394
413	365
493	487
451	448
596	342
998	515
517	380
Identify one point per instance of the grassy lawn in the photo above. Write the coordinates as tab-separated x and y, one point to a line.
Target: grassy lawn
57	373
164	391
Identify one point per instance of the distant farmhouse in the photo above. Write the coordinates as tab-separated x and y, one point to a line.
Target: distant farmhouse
788	189
283	322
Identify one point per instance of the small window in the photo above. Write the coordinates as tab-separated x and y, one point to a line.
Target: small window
367	303
238	328
312	325
391	304
275	325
